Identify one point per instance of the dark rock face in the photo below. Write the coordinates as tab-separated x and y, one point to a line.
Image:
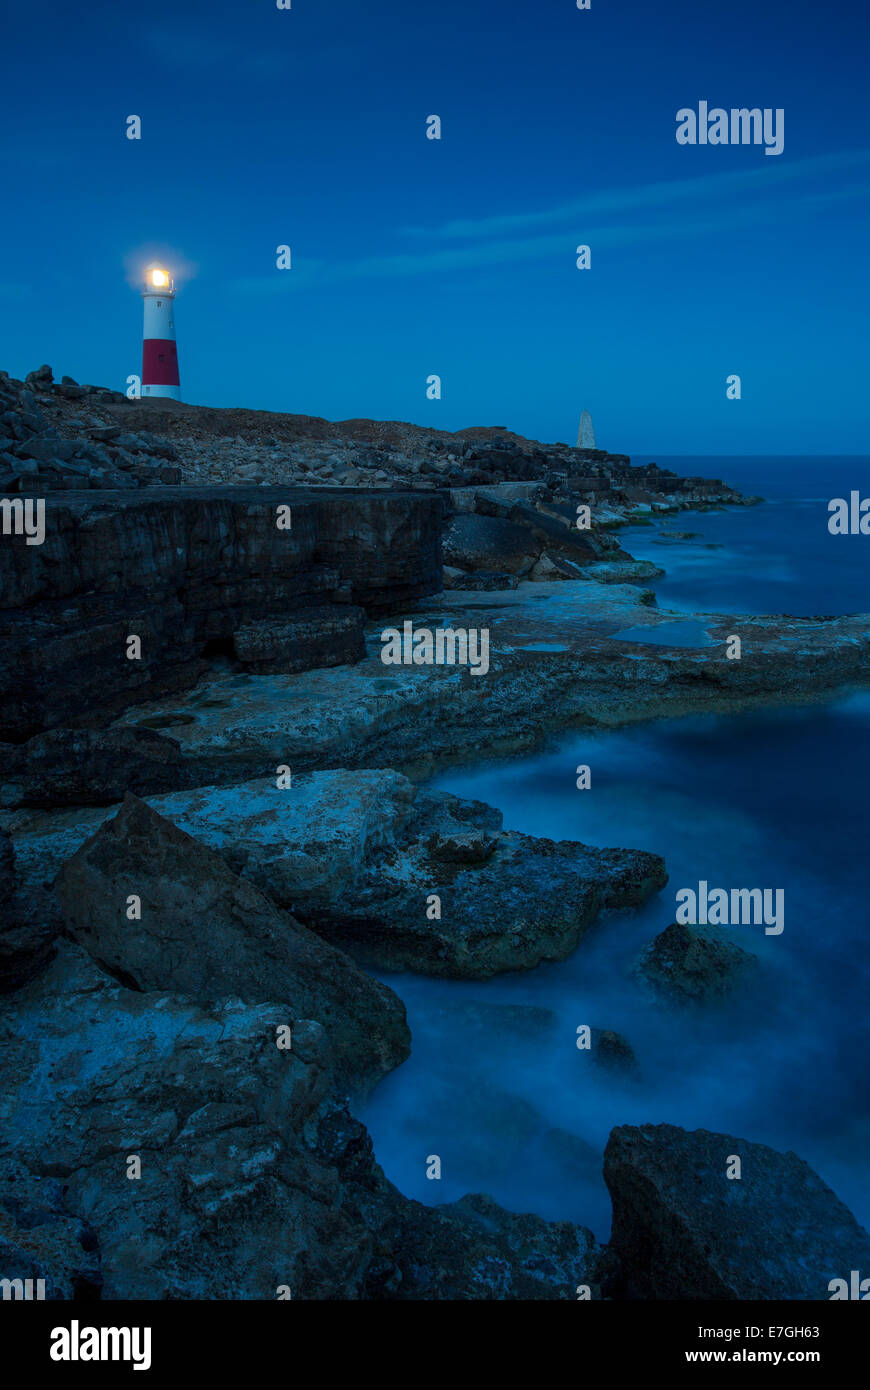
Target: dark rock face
88	767
41	1240
29	927
7	867
497	535
29	924
693	966
318	637
582	547
184	572
474	1249
206	933
683	1230
489	543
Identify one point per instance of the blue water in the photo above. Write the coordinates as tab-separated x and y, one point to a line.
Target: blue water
496	1086
778	557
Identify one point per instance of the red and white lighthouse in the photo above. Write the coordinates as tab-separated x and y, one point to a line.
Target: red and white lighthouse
159	354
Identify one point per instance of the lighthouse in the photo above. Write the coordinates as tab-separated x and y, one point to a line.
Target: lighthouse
159	355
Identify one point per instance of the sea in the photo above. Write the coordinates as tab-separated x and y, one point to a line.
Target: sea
496	1087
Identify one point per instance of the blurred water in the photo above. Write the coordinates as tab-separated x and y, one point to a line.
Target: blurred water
496	1085
778	557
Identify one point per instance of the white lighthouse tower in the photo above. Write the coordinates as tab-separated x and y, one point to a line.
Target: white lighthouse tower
159	354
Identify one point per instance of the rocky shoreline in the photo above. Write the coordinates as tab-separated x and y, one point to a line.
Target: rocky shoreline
206	845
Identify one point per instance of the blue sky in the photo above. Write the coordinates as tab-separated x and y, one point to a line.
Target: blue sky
411	256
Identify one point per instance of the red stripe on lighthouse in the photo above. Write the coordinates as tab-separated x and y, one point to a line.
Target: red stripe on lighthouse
159	362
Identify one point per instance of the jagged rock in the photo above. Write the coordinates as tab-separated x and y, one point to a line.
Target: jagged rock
556	567
473	542
88	767
206	933
551	533
623	572
693	966
474	1250
527	901
232	1201
92	454
683	1230
356	855
41	378
507	900
302	845
251	473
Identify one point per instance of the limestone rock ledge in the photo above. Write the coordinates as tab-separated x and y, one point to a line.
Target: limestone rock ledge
356	856
254	1174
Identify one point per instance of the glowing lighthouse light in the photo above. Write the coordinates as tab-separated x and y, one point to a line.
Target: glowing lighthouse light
159	354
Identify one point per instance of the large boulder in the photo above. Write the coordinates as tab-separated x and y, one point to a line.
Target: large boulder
305	844
208	934
692	966
490	543
359	855
682	1229
459	897
551	533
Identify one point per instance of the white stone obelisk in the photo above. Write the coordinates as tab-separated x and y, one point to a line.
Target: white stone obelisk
586	434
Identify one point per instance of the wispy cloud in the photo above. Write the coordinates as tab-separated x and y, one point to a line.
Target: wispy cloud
667	193
697	207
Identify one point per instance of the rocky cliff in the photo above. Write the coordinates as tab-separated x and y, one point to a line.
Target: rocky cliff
194	574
